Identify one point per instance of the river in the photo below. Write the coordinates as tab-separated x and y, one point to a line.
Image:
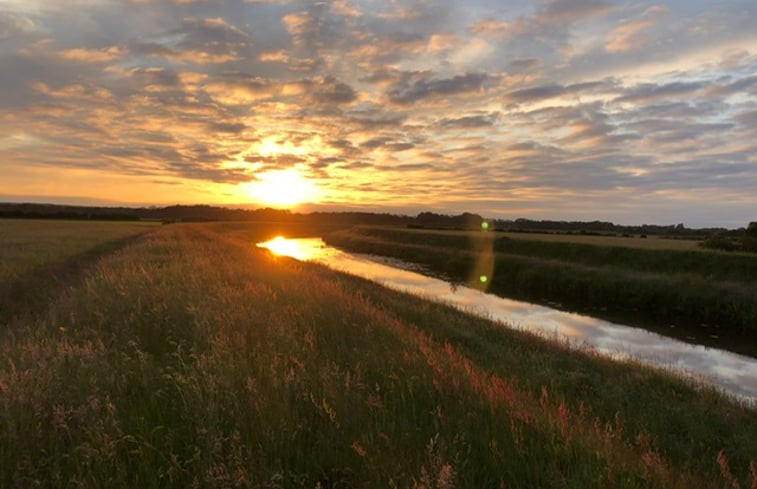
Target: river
732	373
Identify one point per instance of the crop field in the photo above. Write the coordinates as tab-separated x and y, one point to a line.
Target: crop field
26	245
187	357
706	294
38	257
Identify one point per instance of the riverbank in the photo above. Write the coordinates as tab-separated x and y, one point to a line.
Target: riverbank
702	296
190	357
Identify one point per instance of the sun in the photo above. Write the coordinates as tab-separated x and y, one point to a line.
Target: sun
282	188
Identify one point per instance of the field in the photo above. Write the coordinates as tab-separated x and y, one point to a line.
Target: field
39	256
651	242
26	245
187	357
709	296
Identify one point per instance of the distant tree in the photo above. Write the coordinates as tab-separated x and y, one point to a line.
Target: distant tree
751	230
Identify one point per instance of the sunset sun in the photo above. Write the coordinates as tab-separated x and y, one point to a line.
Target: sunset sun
282	188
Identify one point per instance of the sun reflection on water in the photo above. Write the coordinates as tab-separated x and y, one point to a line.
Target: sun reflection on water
300	249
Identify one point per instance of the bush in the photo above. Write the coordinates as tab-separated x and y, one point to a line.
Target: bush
749	243
719	243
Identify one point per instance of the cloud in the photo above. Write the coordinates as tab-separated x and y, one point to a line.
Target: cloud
748	118
272	2
648	92
525	64
388	143
14	25
569	11
240	89
299	23
537	104
160	76
211	40
410	92
543	92
184	55
470	121
500	29
550	20
443	42
278	56
745	85
629	35
391	48
346	8
85	55
328	90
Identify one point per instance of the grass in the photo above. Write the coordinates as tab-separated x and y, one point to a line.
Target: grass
649	287
651	242
40	256
27	244
594	251
190	358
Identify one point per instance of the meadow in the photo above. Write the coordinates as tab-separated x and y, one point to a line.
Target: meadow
37	256
27	244
705	294
627	241
187	357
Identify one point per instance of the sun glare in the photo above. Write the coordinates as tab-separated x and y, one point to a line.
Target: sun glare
281	246
300	249
282	188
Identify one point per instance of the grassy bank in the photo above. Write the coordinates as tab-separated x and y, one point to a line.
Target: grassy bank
190	358
702	292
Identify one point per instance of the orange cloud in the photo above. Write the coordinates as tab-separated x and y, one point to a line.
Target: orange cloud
89	55
628	35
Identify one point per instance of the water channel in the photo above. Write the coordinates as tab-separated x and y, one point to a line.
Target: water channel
732	373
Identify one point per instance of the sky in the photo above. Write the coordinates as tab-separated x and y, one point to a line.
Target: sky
629	111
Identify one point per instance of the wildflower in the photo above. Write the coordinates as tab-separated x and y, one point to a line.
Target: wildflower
358	448
446	479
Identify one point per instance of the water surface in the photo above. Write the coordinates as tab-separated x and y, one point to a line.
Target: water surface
734	374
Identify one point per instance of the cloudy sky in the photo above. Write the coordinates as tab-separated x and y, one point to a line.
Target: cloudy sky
628	111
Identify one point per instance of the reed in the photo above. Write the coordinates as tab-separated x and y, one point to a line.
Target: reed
653	288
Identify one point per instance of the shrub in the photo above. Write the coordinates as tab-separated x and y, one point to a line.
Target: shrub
749	243
719	243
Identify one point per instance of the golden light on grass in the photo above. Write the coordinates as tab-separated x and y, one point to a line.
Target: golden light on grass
282	188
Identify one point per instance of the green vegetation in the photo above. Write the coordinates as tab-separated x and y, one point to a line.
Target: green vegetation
662	286
26	245
190	358
744	239
638	242
38	257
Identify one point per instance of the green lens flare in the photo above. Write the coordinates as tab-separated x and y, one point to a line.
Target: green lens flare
484	279
484	226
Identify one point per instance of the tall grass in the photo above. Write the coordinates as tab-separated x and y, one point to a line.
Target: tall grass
193	359
602	253
656	286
